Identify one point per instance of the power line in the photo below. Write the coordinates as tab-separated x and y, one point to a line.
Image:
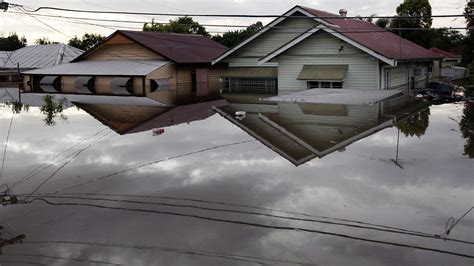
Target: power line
214	25
405	232
238	257
227	15
255	224
49	26
152	163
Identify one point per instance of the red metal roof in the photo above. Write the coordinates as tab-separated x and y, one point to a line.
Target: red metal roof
181	48
444	53
382	41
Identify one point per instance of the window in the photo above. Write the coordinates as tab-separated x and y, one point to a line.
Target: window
266	86
324	85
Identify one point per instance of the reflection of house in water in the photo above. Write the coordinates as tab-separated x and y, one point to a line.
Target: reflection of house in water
301	132
129	119
307	48
165	67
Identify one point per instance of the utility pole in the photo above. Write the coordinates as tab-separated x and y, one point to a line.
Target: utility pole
3	6
9	241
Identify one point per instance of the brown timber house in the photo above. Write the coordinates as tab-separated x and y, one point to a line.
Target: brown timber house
166	67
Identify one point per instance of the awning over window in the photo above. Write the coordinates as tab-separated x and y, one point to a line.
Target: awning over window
50	84
251	72
323	72
122	85
84	84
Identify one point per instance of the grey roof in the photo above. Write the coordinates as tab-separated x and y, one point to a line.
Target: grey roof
4	57
38	56
103	68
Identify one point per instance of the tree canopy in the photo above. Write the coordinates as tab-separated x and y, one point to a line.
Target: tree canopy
421	9
87	41
181	25
232	38
43	41
468	57
12	42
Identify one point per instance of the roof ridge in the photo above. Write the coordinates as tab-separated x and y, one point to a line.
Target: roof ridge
161	32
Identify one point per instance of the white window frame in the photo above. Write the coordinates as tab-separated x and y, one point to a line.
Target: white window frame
331	84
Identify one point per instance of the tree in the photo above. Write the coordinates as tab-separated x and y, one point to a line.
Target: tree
181	25
232	38
51	109
422	10
467	128
468	57
416	124
383	22
446	39
12	42
87	41
44	41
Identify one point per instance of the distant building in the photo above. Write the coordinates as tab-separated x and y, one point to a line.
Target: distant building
448	69
166	67
307	48
34	57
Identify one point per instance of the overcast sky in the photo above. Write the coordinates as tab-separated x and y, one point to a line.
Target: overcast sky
33	29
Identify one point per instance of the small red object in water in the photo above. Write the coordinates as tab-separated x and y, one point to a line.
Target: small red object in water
158	131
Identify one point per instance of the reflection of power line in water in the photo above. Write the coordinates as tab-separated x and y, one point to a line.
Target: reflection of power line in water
58	258
17	262
74	156
244	258
152	163
6	147
45	166
389	229
254	224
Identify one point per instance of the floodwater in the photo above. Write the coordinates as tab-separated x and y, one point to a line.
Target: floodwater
341	185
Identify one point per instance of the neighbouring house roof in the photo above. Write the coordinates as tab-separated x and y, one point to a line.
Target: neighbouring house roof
445	54
181	48
251	72
38	56
103	68
323	72
366	36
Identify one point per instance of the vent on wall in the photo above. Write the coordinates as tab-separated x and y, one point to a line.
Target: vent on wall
122	86
51	84
84	85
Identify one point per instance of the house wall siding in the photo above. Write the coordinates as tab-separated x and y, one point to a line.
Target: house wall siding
324	49
248	55
357	116
127	51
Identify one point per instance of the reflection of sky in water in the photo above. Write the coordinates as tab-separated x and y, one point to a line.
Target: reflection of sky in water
360	183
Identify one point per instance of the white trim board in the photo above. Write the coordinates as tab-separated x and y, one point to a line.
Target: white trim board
336	34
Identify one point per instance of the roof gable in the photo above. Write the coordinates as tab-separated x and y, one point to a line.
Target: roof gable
366	36
181	48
